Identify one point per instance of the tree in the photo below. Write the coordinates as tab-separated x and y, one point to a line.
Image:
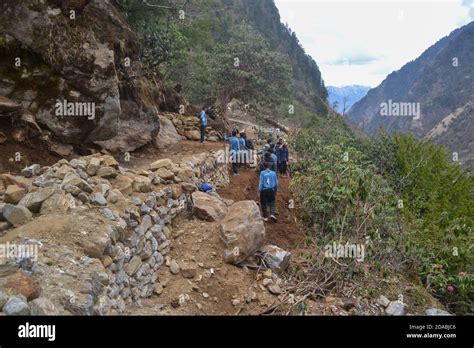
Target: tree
247	69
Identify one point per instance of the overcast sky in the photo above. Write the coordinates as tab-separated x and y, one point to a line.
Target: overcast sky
361	42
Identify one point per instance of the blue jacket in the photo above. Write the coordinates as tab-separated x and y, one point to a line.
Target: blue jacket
268	180
203	118
274	158
242	142
234	143
283	154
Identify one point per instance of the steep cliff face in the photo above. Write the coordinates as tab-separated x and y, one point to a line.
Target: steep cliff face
440	83
73	66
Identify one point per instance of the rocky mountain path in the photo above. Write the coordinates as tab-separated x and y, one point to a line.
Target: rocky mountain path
203	283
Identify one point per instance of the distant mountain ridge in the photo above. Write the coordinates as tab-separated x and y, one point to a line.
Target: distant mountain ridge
441	83
345	96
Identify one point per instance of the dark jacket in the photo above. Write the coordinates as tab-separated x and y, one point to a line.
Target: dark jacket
282	154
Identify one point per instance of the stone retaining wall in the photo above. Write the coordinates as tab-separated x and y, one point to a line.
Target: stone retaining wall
114	223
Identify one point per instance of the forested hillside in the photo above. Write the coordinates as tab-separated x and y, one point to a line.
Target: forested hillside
199	43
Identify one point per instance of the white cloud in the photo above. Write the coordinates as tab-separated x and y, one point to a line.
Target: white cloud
360	42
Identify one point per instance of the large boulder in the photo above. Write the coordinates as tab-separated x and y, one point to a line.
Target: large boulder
93	61
16	215
14	194
207	207
57	203
242	231
167	136
192	134
33	200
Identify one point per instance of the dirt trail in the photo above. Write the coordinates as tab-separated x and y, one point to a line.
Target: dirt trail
218	288
284	233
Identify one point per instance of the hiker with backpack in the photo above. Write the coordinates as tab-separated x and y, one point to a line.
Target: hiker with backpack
268	186
203	117
234	151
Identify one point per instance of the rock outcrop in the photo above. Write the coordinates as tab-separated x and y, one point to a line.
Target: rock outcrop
85	85
207	207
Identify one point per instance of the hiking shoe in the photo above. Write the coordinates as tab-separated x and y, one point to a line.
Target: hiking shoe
265	219
273	217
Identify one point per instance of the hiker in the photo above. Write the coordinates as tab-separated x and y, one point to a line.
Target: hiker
203	117
268	186
283	160
242	141
234	151
272	154
270	145
244	153
267	160
248	142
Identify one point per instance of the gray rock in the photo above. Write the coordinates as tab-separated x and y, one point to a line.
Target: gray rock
106	172
16	305
30	171
136	201
395	308
144	209
83	197
114	196
98	198
274	289
187	187
33	200
437	311
145	224
133	265
43	306
74	190
108	214
77	163
150	200
383	301
174	267
276	258
94	165
16	215
47	183
74	179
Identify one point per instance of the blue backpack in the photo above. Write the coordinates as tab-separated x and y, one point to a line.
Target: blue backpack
206	187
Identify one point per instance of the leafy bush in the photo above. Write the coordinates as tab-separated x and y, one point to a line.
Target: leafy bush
340	198
438	202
